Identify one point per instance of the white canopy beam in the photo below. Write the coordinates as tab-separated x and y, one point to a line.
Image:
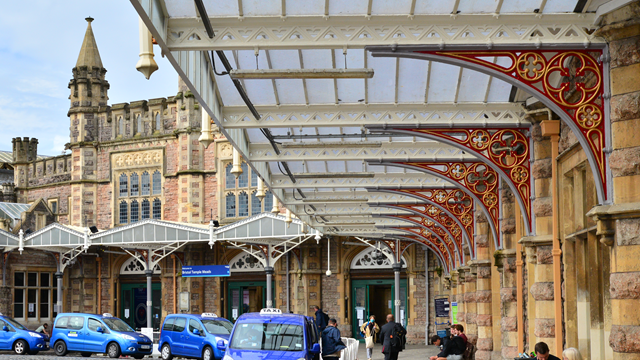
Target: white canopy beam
334	180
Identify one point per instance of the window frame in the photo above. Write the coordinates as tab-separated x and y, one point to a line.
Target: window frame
38	288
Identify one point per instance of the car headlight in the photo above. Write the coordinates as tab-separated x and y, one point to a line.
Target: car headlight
227	357
127	337
35	335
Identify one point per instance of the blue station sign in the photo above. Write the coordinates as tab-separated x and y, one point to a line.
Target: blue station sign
205	271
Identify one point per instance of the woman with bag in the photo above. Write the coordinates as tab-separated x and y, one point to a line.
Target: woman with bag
369	331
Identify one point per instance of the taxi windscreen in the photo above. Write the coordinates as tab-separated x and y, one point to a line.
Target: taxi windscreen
218	327
268	336
116	324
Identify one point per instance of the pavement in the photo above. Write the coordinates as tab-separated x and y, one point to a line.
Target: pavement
412	352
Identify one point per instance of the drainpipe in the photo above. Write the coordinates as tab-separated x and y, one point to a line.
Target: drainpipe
99	260
288	294
552	129
175	290
149	273
426	287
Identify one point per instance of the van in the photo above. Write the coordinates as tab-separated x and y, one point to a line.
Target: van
14	336
193	336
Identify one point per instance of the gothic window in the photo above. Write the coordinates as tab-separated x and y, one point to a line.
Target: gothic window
120	126
135	183
139	124
243	204
268	201
243	179
123	185
254	178
157	183
256	206
146	184
158	122
230	204
370	258
244	262
230	179
124	213
157	209
135	211
145	209
134	267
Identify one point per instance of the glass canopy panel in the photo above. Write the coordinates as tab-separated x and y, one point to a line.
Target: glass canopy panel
443	82
500	90
559	6
381	88
351	7
412	80
226	88
217	8
316	166
354	166
433	7
385	7
336	166
261	7
281	132
255	136
477	6
290	91
305	7
519	6
319	91
473	86
182	8
350	90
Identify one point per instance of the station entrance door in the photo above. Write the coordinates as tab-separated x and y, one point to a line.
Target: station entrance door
375	297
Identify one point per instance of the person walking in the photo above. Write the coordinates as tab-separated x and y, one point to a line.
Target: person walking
392	336
332	344
571	354
321	318
370	332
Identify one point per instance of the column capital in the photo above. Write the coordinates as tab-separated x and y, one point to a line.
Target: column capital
269	270
621	23
606	216
501	257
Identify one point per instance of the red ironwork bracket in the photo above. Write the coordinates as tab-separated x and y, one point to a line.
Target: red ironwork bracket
571	79
435	246
429	237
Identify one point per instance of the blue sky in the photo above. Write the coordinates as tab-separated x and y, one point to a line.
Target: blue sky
39	46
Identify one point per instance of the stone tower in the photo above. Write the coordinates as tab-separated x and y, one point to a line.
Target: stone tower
88	104
25	151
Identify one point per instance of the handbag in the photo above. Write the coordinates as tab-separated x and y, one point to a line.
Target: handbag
368	341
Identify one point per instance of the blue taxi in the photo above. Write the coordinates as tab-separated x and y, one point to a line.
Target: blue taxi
271	334
193	336
14	336
90	333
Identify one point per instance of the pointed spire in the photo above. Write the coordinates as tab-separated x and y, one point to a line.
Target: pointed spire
89	55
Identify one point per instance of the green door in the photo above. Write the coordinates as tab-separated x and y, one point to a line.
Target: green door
133	308
376	297
246	296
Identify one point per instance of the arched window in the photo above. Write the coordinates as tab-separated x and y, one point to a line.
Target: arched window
157	183
157	209
230	179
146	184
268	201
135	184
135	211
256	206
230	205
243	204
254	178
120	126
243	179
139	129
124	215
159	126
145	209
123	185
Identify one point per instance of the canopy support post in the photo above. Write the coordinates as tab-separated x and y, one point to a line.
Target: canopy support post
269	270
58	275
397	267
149	273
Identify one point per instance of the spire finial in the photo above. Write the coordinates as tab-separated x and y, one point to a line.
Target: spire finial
89	19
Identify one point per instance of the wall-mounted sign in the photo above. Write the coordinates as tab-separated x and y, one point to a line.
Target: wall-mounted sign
205	271
442	307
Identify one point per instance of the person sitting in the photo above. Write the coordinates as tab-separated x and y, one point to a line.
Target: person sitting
542	352
332	345
436	341
454	348
461	332
571	354
43	329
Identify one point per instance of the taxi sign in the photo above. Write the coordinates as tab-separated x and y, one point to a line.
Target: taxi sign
107	315
212	315
271	311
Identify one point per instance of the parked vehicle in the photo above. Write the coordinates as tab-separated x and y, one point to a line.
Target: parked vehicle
90	333
193	336
14	336
270	334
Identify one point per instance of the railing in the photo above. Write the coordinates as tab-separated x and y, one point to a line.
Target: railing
351	352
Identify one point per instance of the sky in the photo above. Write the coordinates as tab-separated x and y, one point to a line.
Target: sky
40	43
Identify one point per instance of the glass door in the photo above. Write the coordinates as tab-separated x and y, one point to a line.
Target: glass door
246	296
133	309
376	297
360	297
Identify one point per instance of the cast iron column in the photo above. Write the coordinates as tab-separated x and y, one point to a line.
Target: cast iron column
59	288
269	270
149	293
396	272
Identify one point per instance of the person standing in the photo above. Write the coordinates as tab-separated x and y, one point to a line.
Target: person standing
392	335
332	344
321	318
370	332
542	352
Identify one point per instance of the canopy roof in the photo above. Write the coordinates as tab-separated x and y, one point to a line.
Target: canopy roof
329	133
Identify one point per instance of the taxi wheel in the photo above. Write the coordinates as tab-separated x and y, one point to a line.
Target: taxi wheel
85	354
20	347
207	354
60	348
113	350
166	352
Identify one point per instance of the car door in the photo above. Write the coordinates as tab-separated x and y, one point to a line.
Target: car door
5	335
75	333
95	341
178	336
193	343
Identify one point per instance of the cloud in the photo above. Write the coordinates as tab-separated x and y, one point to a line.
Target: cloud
58	144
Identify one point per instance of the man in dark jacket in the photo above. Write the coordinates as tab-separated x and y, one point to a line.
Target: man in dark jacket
321	319
454	348
390	346
331	342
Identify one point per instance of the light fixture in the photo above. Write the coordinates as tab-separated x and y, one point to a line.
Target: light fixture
364	73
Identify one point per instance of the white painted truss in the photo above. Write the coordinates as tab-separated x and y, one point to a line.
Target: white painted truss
365	180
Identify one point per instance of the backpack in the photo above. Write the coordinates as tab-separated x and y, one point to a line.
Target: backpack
469	352
326	318
396	340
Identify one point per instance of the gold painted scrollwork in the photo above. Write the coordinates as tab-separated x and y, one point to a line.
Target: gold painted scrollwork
589	116
573	80
531	66
519	174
